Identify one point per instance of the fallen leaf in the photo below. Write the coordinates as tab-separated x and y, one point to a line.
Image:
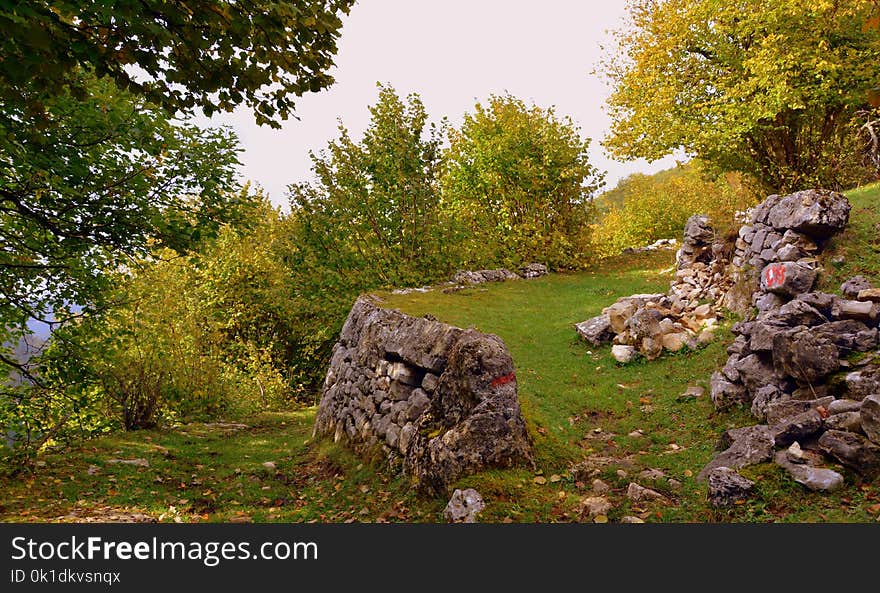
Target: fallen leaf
600	519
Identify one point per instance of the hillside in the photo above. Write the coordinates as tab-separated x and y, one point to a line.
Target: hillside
589	418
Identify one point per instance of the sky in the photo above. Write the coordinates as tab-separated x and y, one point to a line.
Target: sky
453	53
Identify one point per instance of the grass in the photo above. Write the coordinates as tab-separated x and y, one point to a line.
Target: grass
582	411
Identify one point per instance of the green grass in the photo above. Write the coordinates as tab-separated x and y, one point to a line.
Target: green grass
580	408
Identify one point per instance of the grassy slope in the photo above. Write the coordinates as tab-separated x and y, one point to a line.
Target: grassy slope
580	407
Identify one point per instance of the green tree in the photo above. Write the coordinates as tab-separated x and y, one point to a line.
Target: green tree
771	88
92	188
212	54
519	178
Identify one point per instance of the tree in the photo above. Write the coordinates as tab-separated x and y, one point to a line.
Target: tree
104	178
374	204
766	87
212	54
520	178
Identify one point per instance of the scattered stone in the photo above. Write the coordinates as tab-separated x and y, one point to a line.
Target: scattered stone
652	474
140	462
630	519
600	487
464	506
726	487
637	493
692	392
814	478
595	505
270	465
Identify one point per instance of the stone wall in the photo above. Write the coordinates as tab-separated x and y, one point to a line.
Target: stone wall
438	400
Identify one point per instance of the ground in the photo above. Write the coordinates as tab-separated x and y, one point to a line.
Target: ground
583	410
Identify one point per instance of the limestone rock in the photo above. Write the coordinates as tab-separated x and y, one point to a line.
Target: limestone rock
596	331
851	287
726	487
795	428
751	447
778	412
869	416
788	278
638	493
803	356
850	421
852	450
623	353
815	213
841	406
464	506
813	478
869	294
862	383
725	393
533	270
595	505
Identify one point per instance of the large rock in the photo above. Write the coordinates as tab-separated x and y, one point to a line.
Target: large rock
862	383
750	447
698	230
847	335
853	451
788	278
726	487
726	393
816	213
778	412
803	356
854	285
596	331
464	506
869	416
796	428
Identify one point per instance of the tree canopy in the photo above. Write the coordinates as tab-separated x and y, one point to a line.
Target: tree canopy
772	88
212	54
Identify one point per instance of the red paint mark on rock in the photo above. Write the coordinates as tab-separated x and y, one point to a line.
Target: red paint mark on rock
774	275
504	380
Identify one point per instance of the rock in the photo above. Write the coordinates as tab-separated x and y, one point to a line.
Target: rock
637	493
815	213
851	287
706	337
481	276
870	417
596	331
860	310
673	342
644	323
764	397
778	412
698	230
852	450
533	270
595	505
430	382
725	393
405	437
417	404
630	519
762	336
862	383
140	462
870	294
755	371
850	421
269	465
795	428
600	487
726	487
405	374
840	406
651	348
652	474
750	447
692	392
814	478
619	313
800	311
623	353
391	435
790	253
803	356
821	301
464	506
788	278
848	335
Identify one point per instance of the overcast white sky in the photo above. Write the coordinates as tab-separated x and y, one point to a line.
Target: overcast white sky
453	53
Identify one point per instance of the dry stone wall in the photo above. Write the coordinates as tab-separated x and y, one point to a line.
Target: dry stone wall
437	400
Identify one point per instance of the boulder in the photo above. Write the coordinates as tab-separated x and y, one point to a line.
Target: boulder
862	383
596	331
623	353
803	356
674	341
788	278
813	212
852	450
725	393
796	428
849	421
869	416
778	412
726	487
464	506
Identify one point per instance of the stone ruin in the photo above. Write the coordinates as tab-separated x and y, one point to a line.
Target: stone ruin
686	315
798	359
435	400
805	362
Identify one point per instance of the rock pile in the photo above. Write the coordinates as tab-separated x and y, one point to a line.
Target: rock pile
470	277
790	363
648	324
439	399
655	246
